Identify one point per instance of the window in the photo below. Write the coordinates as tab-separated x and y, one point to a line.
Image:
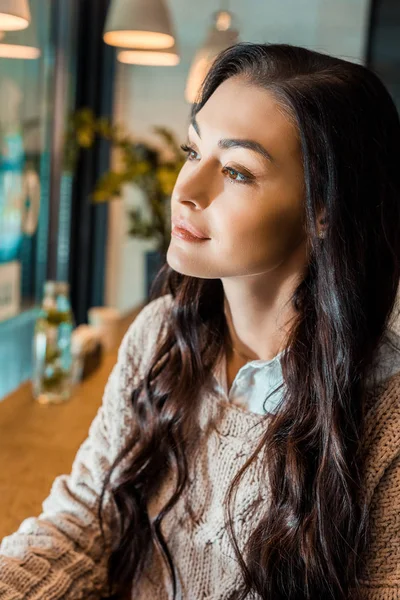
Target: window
36	94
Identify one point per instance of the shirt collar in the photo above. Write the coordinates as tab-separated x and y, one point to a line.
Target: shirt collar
258	385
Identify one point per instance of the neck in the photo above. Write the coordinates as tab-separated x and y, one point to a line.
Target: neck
258	324
231	352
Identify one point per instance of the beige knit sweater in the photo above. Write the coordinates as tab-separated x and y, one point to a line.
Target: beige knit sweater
59	555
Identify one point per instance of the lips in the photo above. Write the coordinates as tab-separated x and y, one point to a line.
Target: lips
182	224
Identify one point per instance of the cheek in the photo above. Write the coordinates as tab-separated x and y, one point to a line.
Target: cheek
266	230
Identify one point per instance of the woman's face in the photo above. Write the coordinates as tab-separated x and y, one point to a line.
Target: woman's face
249	203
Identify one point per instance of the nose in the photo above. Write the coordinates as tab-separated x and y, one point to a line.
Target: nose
194	185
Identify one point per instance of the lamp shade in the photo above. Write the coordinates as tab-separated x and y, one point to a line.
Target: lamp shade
20	44
14	15
219	37
139	24
166	57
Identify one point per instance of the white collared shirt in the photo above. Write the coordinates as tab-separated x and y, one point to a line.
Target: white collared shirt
258	385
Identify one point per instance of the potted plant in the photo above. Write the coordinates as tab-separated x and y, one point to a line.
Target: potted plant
140	164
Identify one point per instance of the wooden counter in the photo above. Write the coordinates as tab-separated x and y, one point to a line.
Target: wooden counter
37	442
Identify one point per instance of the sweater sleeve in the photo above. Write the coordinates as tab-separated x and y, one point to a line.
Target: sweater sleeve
381	578
61	553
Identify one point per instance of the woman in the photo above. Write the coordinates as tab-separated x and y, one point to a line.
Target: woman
190	484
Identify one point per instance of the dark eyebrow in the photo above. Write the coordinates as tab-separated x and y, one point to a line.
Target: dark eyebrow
225	143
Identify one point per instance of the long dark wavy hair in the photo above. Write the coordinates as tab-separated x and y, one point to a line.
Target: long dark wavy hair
310	542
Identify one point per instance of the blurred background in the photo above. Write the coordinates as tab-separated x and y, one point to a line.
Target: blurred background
94	101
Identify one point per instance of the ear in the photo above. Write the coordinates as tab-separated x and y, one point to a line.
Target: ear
321	219
321	223
321	215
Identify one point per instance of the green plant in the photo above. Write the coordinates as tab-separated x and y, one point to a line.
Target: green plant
140	164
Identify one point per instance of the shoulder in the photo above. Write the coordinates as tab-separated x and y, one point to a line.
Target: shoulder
387	359
151	316
147	328
134	356
381	440
141	339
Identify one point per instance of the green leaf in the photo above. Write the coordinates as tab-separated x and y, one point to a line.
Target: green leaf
83	128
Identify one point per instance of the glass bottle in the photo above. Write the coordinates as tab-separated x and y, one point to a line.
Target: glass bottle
52	379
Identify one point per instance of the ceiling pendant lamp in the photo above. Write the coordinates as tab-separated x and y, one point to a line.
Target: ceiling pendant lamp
14	15
166	57
141	24
220	36
20	44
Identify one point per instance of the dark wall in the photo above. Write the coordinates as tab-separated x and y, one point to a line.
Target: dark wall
383	55
95	85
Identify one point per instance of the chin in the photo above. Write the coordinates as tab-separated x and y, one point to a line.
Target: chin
189	264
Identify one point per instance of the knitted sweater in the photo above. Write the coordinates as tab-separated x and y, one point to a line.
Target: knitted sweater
59	555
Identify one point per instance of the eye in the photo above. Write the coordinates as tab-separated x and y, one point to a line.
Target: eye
188	150
237	177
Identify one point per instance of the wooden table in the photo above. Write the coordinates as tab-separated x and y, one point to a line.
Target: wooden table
37	442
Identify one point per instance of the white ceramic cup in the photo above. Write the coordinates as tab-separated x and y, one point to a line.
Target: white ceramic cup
106	320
